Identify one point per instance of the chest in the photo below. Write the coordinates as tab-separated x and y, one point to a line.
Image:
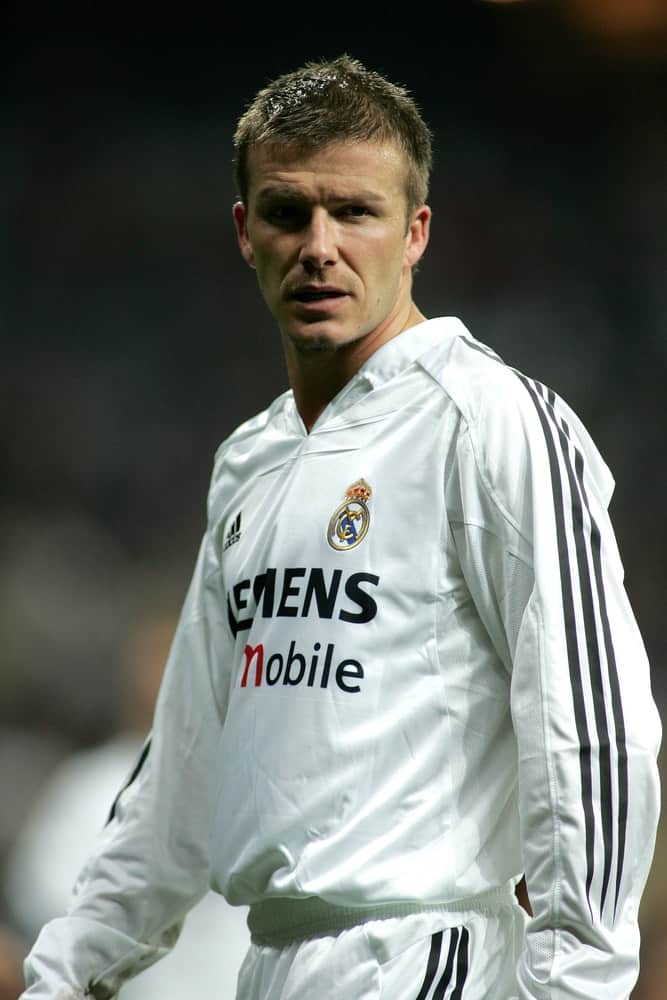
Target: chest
360	497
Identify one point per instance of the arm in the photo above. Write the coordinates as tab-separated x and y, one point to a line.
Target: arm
540	557
151	863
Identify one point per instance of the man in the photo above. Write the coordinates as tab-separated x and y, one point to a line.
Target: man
406	670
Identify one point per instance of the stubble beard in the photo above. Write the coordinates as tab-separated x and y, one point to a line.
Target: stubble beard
307	346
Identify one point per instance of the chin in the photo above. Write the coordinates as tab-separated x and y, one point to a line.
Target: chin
317	340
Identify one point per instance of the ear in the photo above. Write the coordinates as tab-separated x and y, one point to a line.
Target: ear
417	236
238	211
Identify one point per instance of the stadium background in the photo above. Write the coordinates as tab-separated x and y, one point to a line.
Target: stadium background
134	338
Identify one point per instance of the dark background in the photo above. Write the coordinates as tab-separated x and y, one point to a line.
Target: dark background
134	339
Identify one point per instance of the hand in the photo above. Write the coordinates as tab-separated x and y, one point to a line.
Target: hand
522	895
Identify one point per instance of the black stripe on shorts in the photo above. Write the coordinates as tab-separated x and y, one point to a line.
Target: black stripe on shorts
432	965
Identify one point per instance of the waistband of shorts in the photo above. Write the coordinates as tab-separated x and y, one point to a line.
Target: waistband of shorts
282	921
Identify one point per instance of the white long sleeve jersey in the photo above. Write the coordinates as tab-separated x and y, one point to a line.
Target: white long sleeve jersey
406	672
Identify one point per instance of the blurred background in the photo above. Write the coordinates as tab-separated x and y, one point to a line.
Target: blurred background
134	340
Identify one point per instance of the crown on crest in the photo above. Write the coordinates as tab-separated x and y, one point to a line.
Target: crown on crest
359	491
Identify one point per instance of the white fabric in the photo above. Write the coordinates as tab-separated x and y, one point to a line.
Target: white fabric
411	958
58	836
460	697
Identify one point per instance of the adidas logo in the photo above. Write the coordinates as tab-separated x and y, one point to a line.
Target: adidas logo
234	532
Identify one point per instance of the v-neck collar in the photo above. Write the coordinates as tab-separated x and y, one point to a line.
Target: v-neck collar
385	364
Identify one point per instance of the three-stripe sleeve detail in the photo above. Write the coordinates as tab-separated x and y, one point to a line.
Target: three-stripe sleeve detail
455	971
584	609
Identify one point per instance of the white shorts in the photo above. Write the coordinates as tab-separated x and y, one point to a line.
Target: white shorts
424	956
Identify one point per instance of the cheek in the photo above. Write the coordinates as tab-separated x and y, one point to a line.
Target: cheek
386	265
267	271
272	262
386	253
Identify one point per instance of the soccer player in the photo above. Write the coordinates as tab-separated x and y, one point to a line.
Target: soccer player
406	670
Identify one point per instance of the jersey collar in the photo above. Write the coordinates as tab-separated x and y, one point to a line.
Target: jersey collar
385	364
401	351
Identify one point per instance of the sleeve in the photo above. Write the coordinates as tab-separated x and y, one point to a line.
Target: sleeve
151	864
540	558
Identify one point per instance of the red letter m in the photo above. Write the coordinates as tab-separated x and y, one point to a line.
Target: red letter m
250	653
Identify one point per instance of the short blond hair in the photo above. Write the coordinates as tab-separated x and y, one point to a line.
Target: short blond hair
331	101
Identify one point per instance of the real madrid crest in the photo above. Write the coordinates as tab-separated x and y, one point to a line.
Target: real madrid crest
349	522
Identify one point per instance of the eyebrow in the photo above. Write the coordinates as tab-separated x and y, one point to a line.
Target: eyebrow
288	193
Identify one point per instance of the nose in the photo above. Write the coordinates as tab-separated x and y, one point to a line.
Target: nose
319	247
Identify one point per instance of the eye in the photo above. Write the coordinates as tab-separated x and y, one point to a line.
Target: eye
355	211
287	215
280	213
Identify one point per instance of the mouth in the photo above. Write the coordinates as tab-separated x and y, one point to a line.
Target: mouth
311	294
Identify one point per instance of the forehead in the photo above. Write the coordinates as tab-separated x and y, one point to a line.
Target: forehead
343	167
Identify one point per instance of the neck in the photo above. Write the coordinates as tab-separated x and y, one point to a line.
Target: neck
317	375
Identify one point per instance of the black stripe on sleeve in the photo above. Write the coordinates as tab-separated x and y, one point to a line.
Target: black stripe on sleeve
574	662
619	721
476	345
593	608
616	703
446	977
589	601
432	966
133	777
593	601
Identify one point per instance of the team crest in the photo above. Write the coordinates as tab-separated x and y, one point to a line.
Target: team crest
349	522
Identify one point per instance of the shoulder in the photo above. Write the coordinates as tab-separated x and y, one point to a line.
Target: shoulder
243	451
245	437
513	427
475	378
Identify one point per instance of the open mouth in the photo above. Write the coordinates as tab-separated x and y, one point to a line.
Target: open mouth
317	295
